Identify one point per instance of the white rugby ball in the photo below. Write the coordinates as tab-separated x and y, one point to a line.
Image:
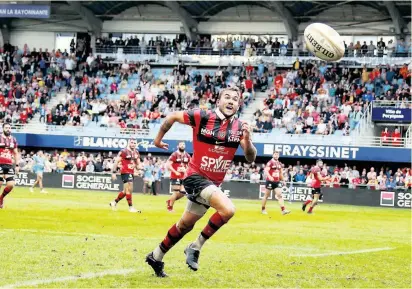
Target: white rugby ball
324	42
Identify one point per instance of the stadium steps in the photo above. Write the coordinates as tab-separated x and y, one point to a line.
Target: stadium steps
61	96
248	112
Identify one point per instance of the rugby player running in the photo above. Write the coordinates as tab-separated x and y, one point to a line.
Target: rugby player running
9	161
129	159
316	185
177	165
216	137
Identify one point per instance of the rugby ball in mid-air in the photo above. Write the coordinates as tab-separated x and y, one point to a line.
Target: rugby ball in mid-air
324	42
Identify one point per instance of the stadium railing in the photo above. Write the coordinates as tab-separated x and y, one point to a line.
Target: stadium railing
184	133
392	103
208	58
234	51
365	123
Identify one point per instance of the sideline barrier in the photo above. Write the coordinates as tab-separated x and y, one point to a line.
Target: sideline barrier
397	198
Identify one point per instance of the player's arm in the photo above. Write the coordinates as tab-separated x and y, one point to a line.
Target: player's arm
247	145
267	170
137	167
16	159
169	166
321	178
170	119
115	164
281	178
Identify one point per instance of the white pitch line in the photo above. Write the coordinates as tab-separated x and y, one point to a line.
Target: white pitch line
344	253
70	278
62	233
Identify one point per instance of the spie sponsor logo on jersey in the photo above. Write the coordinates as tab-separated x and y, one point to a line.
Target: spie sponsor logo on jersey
216	165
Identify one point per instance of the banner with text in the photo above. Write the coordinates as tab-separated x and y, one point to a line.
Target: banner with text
381	154
398	198
24	11
389	114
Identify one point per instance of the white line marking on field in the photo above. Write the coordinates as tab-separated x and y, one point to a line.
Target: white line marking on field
344	253
69	278
75	234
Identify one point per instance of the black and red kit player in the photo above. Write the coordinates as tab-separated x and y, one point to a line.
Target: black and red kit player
317	179
129	159
177	165
9	161
216	136
274	182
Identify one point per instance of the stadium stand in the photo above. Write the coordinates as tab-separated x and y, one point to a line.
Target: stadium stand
309	98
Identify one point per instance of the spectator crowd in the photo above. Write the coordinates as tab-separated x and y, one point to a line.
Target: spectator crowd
153	169
246	46
309	98
321	99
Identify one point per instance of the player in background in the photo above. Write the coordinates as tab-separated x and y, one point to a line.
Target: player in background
274	181
9	161
216	137
317	179
129	159
38	169
148	177
177	165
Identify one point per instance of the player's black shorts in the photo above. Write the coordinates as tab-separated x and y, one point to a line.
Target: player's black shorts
194	185
176	182
317	191
272	185
127	178
6	169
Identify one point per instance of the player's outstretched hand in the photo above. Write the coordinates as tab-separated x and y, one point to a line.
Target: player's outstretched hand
114	177
161	145
247	134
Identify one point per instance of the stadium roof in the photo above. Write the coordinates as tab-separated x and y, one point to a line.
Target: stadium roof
190	13
203	10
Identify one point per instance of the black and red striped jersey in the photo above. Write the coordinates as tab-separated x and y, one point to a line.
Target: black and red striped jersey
215	141
129	160
7	146
180	162
275	169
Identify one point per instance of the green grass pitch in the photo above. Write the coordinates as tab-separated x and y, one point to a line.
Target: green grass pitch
70	238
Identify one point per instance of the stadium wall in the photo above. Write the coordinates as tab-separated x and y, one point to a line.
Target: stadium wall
244	27
35	39
237	190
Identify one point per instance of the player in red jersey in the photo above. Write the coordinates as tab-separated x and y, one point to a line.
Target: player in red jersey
129	159
274	180
216	137
177	164
9	161
317	179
